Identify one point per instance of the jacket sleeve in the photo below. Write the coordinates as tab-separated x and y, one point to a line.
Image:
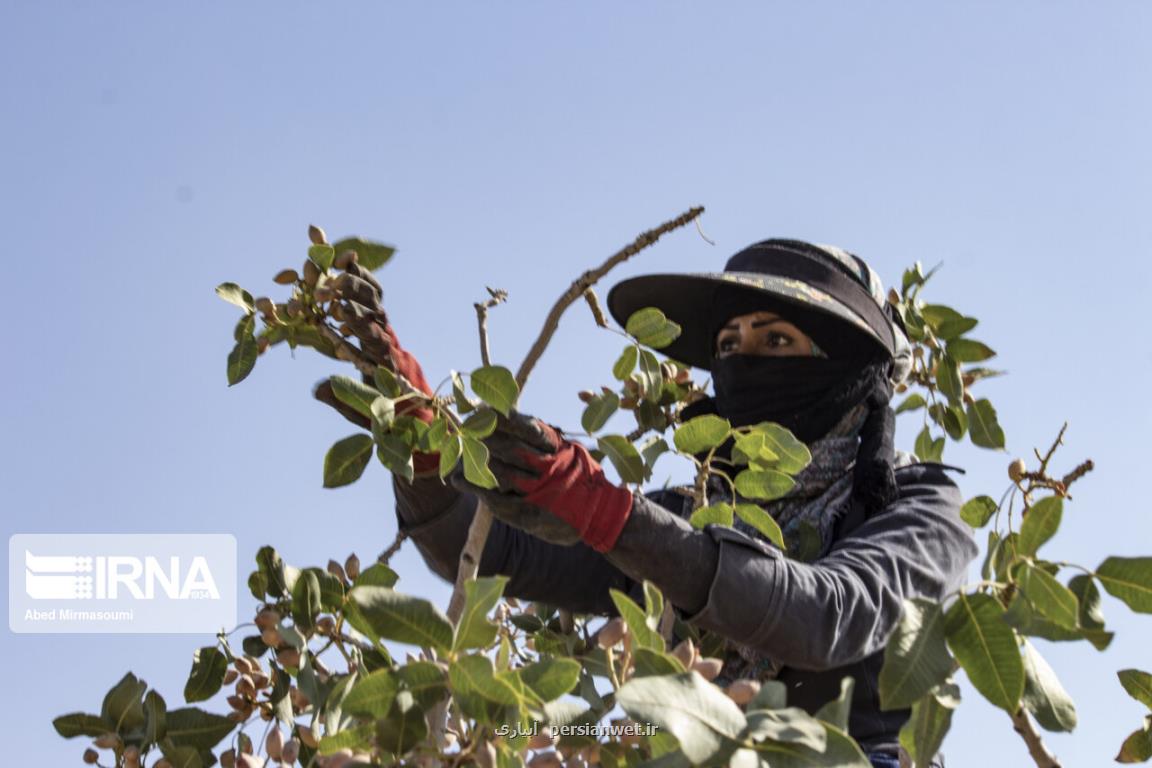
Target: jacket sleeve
843	607
820	615
437	516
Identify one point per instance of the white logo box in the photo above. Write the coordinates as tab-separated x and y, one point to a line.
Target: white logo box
122	583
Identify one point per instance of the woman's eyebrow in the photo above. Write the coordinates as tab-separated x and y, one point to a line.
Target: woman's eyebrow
755	324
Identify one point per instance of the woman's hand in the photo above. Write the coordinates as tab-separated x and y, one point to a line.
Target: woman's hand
551	487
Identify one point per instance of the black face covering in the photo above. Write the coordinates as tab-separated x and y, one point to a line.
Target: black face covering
808	395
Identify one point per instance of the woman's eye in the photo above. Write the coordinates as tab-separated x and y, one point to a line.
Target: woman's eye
778	340
726	344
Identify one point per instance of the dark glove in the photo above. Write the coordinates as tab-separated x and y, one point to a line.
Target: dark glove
378	344
538	471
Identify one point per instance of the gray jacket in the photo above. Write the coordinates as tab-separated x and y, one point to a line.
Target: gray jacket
822	620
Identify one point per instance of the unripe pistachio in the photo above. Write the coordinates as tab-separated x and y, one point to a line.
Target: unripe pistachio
228	759
290	752
286	277
316	235
107	741
311	273
743	691
566	751
336	312
162	763
274	744
685	653
265	305
288	657
591	754
629	737
250	761
91	756
325	625
306	737
611	633
299	700
271	637
352	567
502	612
343	352
269	617
542	740
708	668
131	756
262	344
337	570
237	701
345	330
1016	470
512	602
265	712
344	259
900	388
230	676
683	376
629	403
261	681
245	687
323	293
294	308
585	396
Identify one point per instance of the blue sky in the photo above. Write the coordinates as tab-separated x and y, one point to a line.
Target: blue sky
154	151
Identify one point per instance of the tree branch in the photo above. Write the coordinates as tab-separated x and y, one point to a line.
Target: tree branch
1040	754
482	307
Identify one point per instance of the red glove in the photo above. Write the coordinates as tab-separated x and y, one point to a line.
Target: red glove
530	459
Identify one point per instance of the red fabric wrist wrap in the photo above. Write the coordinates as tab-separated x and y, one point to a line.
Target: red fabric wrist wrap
572	486
406	365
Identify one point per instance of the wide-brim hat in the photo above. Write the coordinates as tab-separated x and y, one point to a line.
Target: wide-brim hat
830	294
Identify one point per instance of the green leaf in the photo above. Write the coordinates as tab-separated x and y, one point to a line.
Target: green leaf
650	377
241	360
946	322
626	363
1043	696
306	603
792	455
425	680
923	734
395	454
842	752
387	382
450	451
720	513
245	327
346	460
624	457
836	712
383	414
1137	748
155	718
207	676
651	450
642	626
480	424
181	757
1138	684
384	613
234	294
79	724
955	421
986	648
763	484
478	691
969	351
123	708
476	463
463	404
948	380
1039	525
371	696
790	725
985	429
978	511
701	434
651	328
600	408
474	629
193	727
913	402
1050	598
1128	579
697	713
773	694
377	575
360	738
551	678
404	727
322	256
752	449
916	658
495	385
927	449
763	522
371	255
355	394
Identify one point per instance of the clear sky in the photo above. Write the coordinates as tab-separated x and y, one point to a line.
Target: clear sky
151	151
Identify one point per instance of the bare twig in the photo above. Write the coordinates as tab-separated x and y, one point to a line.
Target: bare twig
498	296
1055	444
482	520
386	555
1077	473
597	310
589	279
1040	754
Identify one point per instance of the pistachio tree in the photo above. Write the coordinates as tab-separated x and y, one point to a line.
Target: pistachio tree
316	679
